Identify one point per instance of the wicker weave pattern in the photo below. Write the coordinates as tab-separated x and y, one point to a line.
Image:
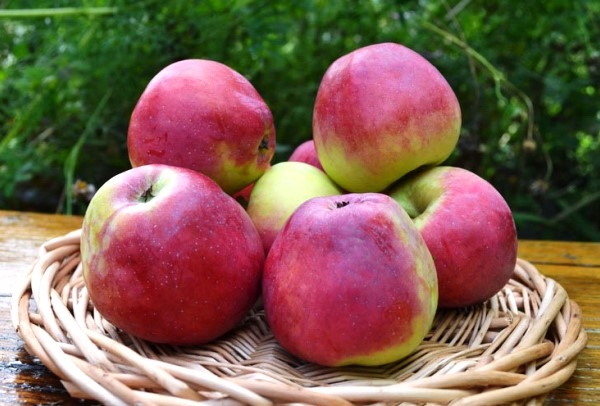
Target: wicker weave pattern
515	348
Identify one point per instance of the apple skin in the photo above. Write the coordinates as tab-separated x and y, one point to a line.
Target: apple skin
349	280
382	111
203	115
168	256
279	192
468	227
243	196
306	152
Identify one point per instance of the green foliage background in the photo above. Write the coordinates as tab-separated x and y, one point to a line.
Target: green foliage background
526	74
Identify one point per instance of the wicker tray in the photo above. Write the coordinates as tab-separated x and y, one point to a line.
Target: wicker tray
517	347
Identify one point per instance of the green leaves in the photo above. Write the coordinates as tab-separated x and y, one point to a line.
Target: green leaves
527	76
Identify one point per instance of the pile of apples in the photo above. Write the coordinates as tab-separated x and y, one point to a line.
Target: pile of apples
351	246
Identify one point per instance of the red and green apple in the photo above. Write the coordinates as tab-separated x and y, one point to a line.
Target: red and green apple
468	227
382	111
349	280
203	115
168	256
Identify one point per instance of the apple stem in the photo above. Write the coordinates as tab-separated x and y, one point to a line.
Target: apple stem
147	195
264	144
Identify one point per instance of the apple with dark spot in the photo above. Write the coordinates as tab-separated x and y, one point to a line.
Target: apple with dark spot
203	115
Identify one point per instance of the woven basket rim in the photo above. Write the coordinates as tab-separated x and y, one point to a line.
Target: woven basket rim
517	347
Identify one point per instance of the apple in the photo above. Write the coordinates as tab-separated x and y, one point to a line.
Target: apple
203	115
243	196
382	111
168	256
279	192
468	227
306	152
349	280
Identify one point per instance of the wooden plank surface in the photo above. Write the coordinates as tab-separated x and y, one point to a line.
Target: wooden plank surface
561	252
21	235
23	380
576	266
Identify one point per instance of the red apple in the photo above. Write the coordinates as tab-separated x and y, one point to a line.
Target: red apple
306	152
380	112
203	115
349	280
168	256
468	227
243	196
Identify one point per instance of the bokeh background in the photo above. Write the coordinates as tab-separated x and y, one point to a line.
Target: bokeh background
527	75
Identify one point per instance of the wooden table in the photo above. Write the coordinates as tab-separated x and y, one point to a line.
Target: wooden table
23	380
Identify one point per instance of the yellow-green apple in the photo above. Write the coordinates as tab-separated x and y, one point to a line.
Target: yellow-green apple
306	152
203	115
349	280
380	112
468	227
280	191
168	256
